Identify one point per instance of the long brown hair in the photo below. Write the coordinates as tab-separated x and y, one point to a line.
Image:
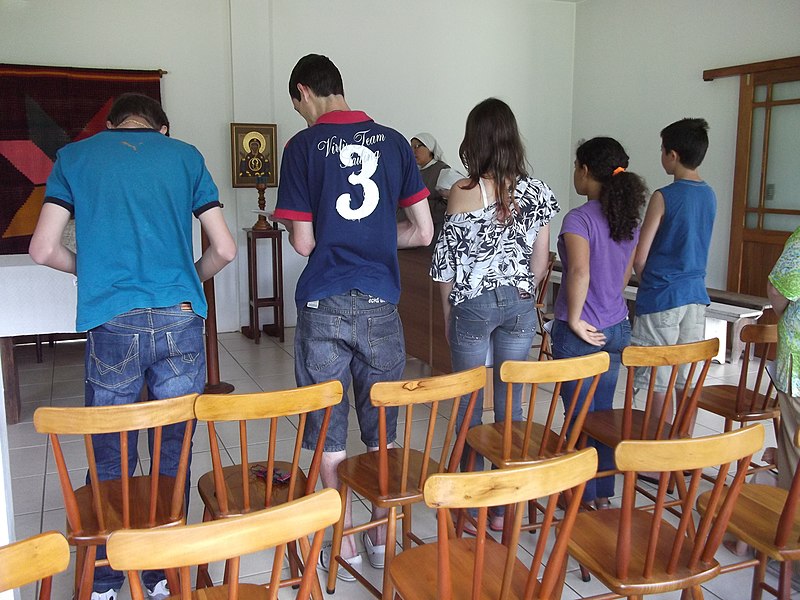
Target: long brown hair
492	148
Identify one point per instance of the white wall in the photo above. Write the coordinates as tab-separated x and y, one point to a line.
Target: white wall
422	66
639	65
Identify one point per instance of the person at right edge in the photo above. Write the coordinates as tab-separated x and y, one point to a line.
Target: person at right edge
672	254
783	290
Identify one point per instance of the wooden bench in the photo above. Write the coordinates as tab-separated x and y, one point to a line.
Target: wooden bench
724	308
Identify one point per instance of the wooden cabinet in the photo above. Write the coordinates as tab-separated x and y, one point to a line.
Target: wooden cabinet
421	310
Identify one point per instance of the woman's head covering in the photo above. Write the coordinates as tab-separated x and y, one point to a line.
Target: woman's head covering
431	144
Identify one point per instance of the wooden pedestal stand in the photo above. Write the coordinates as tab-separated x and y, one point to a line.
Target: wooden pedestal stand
213	384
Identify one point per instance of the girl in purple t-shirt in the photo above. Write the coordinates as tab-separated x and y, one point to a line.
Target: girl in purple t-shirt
596	245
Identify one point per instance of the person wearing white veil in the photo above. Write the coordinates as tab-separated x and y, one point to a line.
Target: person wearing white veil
435	174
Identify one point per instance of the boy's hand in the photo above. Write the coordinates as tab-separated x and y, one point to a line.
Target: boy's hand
588	333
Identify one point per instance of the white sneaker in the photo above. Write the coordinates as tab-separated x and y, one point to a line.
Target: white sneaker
109	595
159	592
376	555
325	561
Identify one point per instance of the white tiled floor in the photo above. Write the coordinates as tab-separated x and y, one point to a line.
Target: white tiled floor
58	381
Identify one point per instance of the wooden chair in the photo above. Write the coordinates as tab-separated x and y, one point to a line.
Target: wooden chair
227	539
393	478
610	427
739	403
482	568
253	485
130	502
634	551
545	350
766	518
34	559
514	443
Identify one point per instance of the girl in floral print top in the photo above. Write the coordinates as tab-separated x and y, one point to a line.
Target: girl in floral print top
492	252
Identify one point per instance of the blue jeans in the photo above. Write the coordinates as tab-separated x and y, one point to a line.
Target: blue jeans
505	321
566	345
350	337
162	348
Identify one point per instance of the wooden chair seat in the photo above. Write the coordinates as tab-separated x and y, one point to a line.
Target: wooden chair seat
721	400
594	545
360	473
111	504
489	438
247	591
605	426
416	573
232	477
755	519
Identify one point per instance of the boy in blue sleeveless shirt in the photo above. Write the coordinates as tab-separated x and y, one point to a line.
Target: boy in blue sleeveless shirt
673	251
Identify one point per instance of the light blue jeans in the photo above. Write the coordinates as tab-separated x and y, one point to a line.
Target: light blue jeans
504	320
162	348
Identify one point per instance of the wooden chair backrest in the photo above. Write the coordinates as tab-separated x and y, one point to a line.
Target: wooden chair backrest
697	355
432	391
676	456
269	406
120	420
182	547
33	559
762	339
512	486
556	372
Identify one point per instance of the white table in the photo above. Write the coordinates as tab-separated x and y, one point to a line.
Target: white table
33	300
718	315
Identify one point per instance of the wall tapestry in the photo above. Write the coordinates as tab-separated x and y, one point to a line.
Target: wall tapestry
41	110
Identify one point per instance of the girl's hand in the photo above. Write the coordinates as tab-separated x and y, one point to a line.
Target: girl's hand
588	333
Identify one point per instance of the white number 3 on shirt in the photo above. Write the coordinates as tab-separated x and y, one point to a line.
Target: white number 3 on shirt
350	156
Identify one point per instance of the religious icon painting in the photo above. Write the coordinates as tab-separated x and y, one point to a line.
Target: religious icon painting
254	155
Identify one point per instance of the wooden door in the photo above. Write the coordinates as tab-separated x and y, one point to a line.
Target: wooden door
766	189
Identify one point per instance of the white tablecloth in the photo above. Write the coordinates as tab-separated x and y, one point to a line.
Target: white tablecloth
33	299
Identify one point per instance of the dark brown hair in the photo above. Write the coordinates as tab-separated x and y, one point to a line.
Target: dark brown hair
492	148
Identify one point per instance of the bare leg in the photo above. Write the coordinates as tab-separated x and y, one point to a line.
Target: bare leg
378	534
330	479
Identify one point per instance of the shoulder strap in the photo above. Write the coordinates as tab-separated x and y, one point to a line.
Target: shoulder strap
483	193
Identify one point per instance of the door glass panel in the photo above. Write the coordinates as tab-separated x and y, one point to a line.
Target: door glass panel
756	154
751	220
785	91
781	222
760	94
783	162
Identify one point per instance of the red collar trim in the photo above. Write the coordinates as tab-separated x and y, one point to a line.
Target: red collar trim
343	117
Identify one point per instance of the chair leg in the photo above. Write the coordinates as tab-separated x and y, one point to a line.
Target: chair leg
391	545
87	573
294	561
759	573
407	526
785	581
305	548
336	546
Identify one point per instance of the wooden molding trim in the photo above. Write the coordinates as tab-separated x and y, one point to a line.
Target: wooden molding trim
756	67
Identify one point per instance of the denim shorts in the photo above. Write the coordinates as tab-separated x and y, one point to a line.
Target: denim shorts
679	325
352	337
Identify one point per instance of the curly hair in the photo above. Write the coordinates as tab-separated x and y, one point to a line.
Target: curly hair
623	193
492	148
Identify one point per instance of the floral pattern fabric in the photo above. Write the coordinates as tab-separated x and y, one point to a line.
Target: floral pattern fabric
785	277
478	253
